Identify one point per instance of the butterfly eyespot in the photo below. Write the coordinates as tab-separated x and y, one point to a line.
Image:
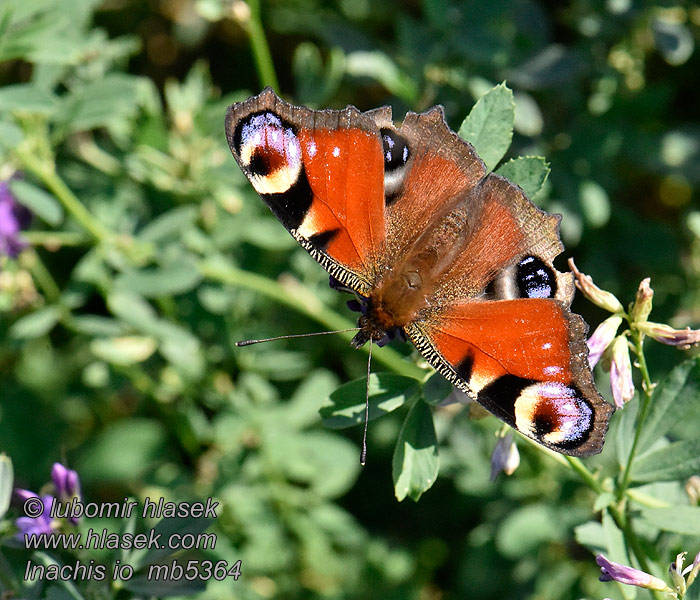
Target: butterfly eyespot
554	413
396	155
535	279
269	152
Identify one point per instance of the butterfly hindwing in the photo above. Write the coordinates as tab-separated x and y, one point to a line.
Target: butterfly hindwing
525	361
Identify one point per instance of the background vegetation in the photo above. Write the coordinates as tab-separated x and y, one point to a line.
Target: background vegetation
149	255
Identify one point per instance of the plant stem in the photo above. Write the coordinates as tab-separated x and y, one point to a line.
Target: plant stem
644	409
48	176
304	302
261	51
585	474
55	239
42	276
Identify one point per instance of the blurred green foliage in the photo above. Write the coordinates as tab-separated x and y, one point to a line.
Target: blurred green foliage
150	256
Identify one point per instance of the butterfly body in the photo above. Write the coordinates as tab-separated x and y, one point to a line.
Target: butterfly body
458	258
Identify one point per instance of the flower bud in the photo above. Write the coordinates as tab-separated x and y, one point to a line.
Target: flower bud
611	571
505	457
684	338
676	573
621	372
642	304
602	337
599	297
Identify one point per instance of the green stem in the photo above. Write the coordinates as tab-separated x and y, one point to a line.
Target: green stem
585	474
261	51
631	538
43	278
48	176
643	411
303	302
55	239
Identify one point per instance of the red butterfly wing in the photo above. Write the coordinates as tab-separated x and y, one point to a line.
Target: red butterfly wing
322	174
526	362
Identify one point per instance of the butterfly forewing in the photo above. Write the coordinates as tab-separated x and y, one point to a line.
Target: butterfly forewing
321	173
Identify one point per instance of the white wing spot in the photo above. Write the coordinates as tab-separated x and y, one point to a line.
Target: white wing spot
336	152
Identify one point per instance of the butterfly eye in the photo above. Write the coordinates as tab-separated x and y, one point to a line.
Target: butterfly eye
535	279
396	156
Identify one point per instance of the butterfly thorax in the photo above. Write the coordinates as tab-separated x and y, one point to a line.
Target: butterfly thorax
395	302
408	287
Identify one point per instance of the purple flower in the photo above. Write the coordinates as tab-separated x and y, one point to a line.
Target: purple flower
66	482
13	218
611	571
602	338
35	525
505	457
67	486
683	338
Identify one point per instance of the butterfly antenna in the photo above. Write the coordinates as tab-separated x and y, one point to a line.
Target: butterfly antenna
297	335
363	453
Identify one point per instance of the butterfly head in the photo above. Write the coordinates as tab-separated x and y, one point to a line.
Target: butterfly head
371	326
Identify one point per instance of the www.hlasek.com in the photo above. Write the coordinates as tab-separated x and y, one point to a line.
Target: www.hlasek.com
98	539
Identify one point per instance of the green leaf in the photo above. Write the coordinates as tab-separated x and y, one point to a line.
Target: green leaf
345	407
678	519
42	204
36	324
127	350
132	309
529	172
524	529
616	548
169	280
181	348
671	401
319	461
437	389
675	461
6	482
489	126
169	224
590	535
96	326
10	135
105	102
316	83
415	462
124	451
379	66
26	97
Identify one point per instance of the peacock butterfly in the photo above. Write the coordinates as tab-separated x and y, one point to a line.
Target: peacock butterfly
456	258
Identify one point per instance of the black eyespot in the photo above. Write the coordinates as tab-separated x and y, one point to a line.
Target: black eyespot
396	152
535	279
259	165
